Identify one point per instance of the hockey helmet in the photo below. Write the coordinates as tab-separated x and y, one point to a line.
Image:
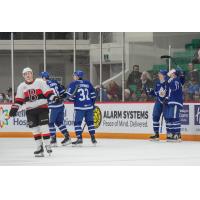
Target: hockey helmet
44	75
78	73
172	71
163	72
27	69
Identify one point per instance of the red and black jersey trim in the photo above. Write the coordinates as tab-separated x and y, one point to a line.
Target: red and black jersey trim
19	101
48	94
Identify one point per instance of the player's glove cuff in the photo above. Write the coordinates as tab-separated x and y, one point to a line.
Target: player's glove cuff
13	111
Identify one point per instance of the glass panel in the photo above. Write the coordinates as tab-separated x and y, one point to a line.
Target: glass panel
5	68
112	65
145	50
59	60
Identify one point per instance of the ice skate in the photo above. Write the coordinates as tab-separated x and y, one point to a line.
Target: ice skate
93	140
173	137
154	137
66	140
78	142
39	152
53	141
48	149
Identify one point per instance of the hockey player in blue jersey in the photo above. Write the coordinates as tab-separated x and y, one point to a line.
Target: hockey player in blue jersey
82	93
160	92
56	111
174	103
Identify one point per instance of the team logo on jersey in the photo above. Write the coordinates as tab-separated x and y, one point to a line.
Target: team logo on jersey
4	117
97	117
162	92
197	115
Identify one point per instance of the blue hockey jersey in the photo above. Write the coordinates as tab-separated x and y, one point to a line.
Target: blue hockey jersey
175	95
58	89
160	91
82	93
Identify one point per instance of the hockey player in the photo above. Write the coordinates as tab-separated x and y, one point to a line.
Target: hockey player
56	111
33	93
159	92
82	93
174	102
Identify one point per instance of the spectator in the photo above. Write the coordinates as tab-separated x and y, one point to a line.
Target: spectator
2	98
146	80
104	94
127	95
196	59
113	91
193	88
197	96
134	78
9	95
134	97
192	74
143	97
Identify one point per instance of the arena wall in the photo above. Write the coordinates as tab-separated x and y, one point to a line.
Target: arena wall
115	120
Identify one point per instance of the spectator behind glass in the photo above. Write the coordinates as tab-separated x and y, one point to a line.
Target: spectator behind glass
192	74
104	94
2	98
9	95
193	88
196	60
146	80
134	77
113	91
143	97
197	96
127	95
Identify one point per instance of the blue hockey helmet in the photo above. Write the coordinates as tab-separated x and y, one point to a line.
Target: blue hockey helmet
79	73
163	72
44	75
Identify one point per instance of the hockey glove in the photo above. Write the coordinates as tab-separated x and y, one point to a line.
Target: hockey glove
13	111
56	99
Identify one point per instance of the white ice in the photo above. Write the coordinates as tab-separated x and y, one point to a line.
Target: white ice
108	152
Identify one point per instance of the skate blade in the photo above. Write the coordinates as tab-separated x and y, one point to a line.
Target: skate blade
54	145
67	143
94	144
173	141
77	145
39	155
154	140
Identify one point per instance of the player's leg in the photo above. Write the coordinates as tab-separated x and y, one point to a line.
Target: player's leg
176	123
52	128
157	111
79	114
62	127
33	123
173	124
89	118
43	115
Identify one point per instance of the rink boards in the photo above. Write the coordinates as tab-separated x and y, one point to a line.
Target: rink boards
116	120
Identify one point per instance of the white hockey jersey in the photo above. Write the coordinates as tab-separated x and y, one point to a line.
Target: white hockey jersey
33	95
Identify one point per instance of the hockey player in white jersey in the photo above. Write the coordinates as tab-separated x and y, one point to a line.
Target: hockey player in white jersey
33	94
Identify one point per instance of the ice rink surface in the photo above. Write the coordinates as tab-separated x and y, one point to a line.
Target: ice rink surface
107	152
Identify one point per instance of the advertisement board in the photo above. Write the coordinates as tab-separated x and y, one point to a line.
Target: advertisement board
115	118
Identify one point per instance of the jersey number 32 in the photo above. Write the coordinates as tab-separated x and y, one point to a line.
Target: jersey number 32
84	94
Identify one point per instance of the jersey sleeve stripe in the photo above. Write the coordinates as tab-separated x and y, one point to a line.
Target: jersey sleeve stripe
48	94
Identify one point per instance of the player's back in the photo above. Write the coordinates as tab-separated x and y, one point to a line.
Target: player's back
84	94
175	92
58	91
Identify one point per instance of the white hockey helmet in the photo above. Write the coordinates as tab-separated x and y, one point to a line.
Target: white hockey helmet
172	71
27	69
